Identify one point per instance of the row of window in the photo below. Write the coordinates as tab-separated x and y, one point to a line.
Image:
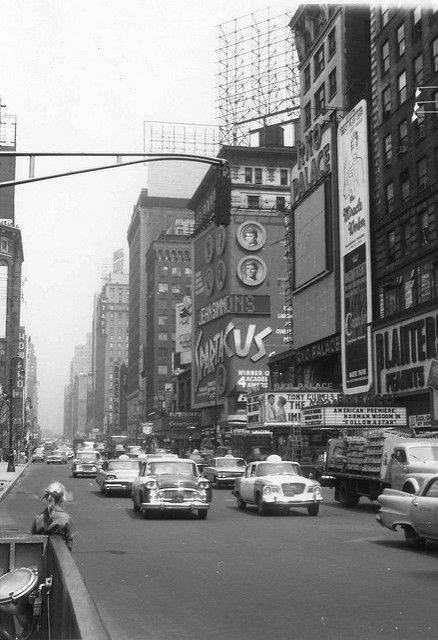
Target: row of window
164	270
254	202
409	290
399	241
402	133
319	59
319	101
173	256
254	175
163	287
423	179
416	21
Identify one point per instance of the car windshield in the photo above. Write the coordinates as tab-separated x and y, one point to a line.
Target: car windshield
230	462
277	469
171	468
87	455
424	454
115	465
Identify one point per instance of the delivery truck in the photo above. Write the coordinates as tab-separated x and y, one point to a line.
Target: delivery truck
365	464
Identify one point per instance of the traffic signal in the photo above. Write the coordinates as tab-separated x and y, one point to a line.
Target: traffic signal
222	205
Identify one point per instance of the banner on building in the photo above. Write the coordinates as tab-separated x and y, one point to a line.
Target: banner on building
355	263
357	417
285	408
183	329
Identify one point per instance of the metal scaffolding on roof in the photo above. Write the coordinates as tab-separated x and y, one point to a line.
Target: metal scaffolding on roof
258	77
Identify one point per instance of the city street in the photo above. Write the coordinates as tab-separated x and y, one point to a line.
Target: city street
238	575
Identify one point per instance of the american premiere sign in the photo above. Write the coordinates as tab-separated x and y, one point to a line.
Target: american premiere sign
355	263
357	417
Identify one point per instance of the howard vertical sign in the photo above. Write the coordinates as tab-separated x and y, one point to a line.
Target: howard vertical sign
355	264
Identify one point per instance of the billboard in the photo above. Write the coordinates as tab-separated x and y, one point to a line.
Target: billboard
183	329
237	323
355	264
284	408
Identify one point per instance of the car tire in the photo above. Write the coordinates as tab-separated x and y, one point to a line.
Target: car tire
135	506
346	497
146	514
413	540
202	514
312	509
241	504
262	508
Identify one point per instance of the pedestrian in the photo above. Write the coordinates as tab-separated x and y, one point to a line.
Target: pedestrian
54	521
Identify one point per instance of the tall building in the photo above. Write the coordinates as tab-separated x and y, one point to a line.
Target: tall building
110	349
333	49
32	383
239	310
404	54
169	278
151	216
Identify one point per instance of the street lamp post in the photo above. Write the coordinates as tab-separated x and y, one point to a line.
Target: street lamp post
11	464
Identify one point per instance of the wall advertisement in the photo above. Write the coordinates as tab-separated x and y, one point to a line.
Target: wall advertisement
284	408
183	329
355	265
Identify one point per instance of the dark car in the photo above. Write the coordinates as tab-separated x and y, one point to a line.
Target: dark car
171	484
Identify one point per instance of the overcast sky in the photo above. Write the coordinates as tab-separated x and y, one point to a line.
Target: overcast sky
83	75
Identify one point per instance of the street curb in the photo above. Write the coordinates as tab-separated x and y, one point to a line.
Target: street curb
11	485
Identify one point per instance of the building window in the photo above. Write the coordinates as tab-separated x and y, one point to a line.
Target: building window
4	245
387	149
176	288
404	185
258	176
390	246
284	177
162	321
318	62
392	299
417	26
386	103
424	229
162	337
163	287
253	202
248	174
401	87
405	236
403	136
280	203
389	197
434	47
385	57
306	77
332	84
385	15
176	271
187	271
419	125
162	370
422	174
320	100
331	43
401	41
307	115
418	70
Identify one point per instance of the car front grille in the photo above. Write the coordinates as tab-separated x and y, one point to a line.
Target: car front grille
292	488
178	495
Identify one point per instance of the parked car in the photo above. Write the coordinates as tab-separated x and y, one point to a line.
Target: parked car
224	470
171	484
56	457
416	515
274	485
38	455
117	475
85	463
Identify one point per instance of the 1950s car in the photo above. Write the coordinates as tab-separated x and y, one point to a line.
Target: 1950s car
117	475
416	515
85	463
171	484
56	457
274	485
224	470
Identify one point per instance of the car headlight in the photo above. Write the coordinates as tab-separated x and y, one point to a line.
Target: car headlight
151	484
110	476
316	489
271	488
204	484
221	475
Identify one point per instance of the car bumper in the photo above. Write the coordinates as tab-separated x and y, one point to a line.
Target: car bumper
227	480
83	472
118	485
290	502
174	506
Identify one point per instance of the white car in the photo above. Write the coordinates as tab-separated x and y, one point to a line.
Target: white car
416	515
277	485
85	463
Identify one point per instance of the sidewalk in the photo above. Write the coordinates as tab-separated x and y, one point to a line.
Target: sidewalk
9	479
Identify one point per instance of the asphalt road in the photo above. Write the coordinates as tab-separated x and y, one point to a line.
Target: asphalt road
239	576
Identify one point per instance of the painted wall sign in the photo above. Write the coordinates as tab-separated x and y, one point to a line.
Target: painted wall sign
355	262
406	355
235	303
319	349
313	161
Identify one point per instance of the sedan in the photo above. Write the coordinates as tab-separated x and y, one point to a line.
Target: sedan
56	457
117	475
416	515
224	470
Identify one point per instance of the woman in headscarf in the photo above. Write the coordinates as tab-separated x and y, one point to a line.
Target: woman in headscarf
54	521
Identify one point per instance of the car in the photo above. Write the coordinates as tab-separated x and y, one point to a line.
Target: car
224	470
416	515
133	451
117	475
38	455
171	484
56	457
276	485
85	463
